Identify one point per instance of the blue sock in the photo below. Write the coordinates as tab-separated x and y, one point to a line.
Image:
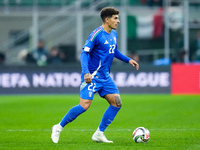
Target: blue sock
108	117
72	114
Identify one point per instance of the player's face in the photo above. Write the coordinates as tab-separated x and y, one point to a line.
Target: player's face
113	21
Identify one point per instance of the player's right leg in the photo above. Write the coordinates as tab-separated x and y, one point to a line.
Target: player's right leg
86	97
72	114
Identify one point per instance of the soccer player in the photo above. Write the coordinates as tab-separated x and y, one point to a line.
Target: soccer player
96	59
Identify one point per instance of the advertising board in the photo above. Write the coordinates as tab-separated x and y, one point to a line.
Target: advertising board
185	78
52	80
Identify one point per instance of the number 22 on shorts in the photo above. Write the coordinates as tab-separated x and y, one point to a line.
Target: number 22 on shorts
91	87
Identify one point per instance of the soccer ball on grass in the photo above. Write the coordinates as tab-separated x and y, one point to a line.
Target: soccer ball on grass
141	135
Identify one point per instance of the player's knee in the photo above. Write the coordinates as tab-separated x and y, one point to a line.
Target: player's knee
119	104
85	104
118	101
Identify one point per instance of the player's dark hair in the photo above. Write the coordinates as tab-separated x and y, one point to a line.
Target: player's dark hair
108	12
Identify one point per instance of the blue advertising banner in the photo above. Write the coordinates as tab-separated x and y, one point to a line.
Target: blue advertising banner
65	80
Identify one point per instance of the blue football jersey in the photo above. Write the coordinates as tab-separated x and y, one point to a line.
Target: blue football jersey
100	49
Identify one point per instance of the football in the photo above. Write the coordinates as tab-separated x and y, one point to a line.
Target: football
141	135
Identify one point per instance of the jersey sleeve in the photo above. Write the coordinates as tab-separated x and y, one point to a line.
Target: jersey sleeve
89	44
84	62
87	48
120	56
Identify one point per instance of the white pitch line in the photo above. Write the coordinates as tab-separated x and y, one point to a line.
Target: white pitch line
86	130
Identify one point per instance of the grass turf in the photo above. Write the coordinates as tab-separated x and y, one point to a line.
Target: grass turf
173	121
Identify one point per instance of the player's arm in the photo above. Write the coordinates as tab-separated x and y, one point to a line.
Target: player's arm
84	66
91	41
84	58
120	56
126	59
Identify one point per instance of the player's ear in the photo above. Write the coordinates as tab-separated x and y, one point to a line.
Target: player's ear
107	19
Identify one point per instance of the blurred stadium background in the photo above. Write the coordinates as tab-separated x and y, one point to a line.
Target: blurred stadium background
162	35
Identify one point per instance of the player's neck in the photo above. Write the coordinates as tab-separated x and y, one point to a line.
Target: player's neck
106	28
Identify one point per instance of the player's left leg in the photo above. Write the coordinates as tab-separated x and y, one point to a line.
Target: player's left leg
115	104
108	117
111	93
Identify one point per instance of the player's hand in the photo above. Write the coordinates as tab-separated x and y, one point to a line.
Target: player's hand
88	78
134	63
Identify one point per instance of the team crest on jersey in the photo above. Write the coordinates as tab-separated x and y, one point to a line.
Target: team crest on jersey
90	94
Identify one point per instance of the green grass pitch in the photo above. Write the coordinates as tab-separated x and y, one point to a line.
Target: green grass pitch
173	122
